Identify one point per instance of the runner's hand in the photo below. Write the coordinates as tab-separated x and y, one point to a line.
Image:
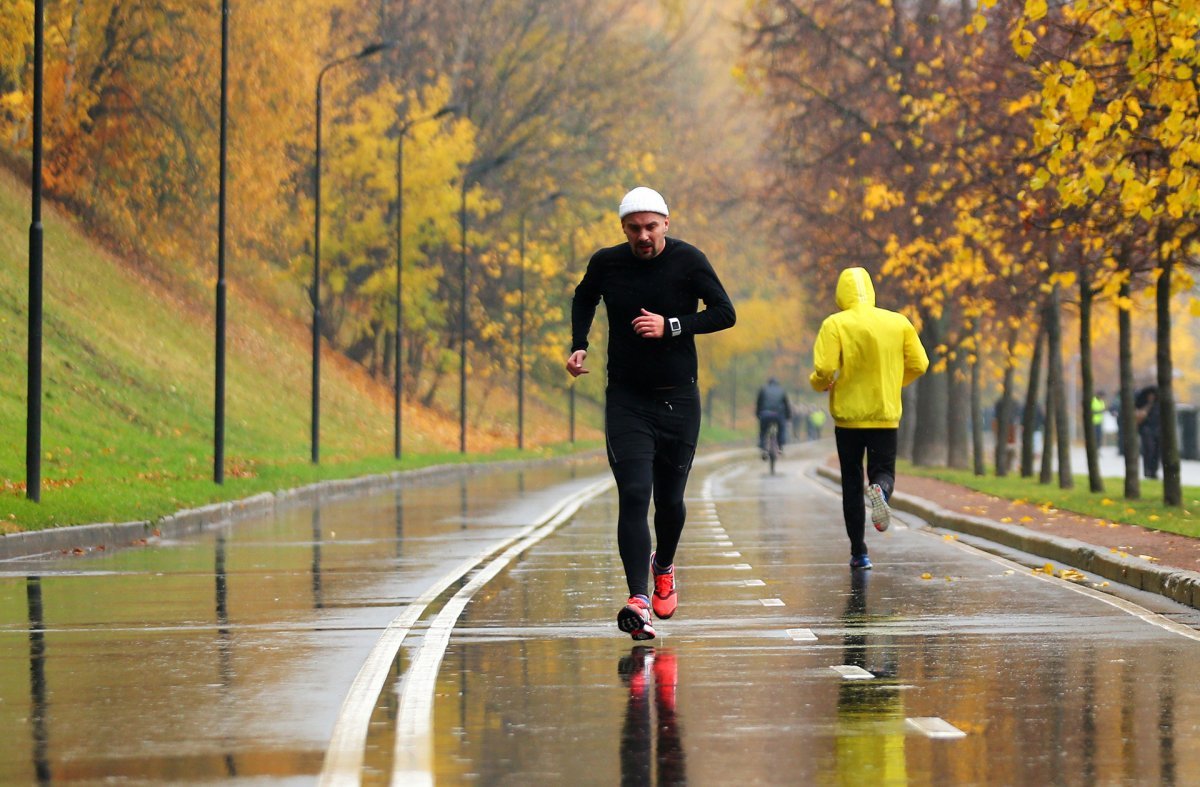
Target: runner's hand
649	325
575	363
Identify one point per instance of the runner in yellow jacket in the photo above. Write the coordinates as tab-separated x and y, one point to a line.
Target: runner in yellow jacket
863	356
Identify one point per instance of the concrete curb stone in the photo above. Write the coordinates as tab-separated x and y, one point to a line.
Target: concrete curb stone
1179	585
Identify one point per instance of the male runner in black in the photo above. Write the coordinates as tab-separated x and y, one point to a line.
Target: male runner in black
651	287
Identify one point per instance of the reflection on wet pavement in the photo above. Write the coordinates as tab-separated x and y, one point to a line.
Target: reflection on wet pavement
227	657
985	675
651	743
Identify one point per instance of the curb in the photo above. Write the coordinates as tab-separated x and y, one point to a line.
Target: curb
81	539
1179	585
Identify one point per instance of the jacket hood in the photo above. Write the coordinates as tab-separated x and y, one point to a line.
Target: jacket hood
854	287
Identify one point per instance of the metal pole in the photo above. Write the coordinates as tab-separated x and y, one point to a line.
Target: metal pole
521	339
315	291
399	274
462	323
33	423
399	333
219	394
572	410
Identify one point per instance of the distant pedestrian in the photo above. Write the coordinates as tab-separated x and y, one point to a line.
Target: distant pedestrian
1099	406
816	423
651	286
1145	403
863	356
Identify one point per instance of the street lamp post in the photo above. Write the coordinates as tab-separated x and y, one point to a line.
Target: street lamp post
219	376
521	318
315	291
33	423
446	110
462	321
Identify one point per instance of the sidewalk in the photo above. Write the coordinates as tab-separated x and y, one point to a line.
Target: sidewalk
1112	465
1154	561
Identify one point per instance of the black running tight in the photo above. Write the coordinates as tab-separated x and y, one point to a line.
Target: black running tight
651	439
879	445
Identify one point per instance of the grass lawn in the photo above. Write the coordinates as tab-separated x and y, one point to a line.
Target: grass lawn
1109	505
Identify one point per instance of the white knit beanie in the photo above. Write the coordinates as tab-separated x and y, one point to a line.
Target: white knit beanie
643	200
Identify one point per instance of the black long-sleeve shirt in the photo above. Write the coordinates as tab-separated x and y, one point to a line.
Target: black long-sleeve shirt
670	284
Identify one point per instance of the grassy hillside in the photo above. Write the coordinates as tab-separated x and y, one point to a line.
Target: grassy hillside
128	390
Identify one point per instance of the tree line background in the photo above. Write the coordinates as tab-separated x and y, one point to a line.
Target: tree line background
1023	177
1019	179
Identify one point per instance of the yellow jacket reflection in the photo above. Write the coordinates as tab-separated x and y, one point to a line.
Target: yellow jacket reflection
864	355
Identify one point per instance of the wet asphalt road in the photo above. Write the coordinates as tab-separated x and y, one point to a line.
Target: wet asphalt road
237	656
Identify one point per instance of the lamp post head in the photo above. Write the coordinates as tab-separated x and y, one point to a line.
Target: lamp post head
376	48
449	109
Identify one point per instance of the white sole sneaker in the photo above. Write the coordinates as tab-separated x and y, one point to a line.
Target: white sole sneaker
881	515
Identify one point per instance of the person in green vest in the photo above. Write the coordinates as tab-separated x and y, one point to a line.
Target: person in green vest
1098	408
816	420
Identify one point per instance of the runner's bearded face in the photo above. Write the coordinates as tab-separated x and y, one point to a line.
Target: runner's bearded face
647	233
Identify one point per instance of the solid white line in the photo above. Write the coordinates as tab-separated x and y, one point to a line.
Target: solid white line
1128	607
413	752
344	757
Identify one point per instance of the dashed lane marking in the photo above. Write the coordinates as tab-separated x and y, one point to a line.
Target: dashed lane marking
851	672
934	727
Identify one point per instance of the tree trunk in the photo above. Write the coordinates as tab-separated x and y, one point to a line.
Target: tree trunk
977	420
1087	385
929	436
958	417
1005	410
1056	389
1029	417
1168	435
1046	466
906	434
1128	428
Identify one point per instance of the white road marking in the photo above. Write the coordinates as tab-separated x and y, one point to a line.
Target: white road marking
754	583
851	672
934	727
802	635
742	566
1128	607
413	755
772	602
344	757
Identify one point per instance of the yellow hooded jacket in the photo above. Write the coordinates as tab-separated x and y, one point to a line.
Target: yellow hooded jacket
864	355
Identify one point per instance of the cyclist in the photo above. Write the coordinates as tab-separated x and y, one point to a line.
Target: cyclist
772	407
652	286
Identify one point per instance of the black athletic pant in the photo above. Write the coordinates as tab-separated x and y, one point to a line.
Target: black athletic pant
879	445
651	437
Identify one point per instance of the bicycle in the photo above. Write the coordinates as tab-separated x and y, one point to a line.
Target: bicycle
772	445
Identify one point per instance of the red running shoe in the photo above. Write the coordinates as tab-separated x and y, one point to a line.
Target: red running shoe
665	599
634	619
